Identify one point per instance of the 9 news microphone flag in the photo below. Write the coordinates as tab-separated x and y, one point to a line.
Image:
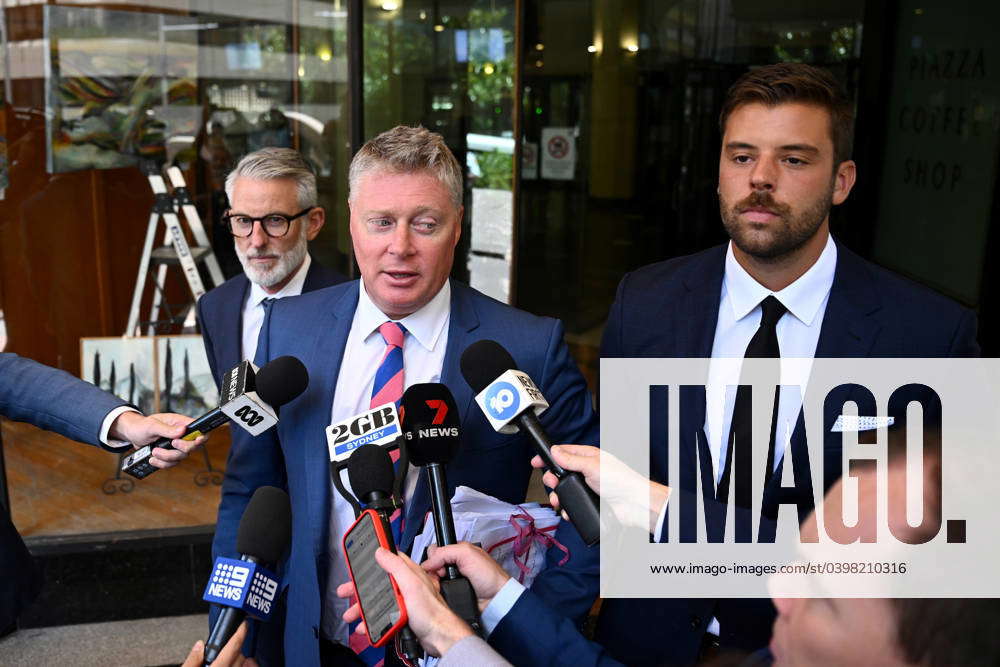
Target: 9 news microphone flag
246	586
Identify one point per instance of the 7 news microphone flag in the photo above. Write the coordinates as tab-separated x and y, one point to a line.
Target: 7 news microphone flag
431	426
510	399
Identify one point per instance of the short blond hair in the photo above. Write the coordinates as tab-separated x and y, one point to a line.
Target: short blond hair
407	150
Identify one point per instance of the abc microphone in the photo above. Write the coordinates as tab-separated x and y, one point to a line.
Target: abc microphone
249	397
506	395
431	428
370	471
246	586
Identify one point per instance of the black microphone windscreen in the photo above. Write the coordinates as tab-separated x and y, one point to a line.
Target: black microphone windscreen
281	380
369	469
430	422
266	527
483	362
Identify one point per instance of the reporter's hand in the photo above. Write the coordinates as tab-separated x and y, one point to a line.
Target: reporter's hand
616	483
230	655
139	430
435	625
484	573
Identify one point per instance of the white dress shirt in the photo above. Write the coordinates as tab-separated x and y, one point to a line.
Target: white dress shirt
253	311
423	357
798	333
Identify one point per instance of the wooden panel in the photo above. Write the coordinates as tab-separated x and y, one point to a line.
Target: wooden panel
56	487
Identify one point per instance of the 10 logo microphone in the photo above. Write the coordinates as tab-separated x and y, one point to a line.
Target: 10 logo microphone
502	400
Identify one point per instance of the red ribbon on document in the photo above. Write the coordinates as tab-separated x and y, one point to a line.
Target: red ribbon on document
527	534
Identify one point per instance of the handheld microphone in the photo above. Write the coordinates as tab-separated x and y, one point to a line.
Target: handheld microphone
250	398
506	395
370	471
377	426
431	427
246	586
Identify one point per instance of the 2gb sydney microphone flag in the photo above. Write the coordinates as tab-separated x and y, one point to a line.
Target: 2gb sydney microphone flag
378	426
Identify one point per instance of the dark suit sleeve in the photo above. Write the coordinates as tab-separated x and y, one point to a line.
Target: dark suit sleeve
253	462
532	634
611	340
206	336
53	399
963	343
569	588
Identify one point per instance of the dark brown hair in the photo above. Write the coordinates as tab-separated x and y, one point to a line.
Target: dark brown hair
946	632
784	83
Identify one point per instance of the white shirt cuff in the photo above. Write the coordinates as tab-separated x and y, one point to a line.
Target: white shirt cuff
659	521
106	426
501	604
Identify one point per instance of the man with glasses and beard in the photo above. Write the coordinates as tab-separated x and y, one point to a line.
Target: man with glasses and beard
272	216
782	287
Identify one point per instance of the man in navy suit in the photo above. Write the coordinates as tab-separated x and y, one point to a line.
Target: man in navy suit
406	211
784	161
272	217
56	401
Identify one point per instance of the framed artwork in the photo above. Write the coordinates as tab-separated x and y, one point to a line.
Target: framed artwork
126	367
183	375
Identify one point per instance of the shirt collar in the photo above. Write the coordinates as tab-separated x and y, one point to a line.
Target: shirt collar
803	298
425	324
293	288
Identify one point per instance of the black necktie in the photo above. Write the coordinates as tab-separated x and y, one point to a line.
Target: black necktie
763	345
262	355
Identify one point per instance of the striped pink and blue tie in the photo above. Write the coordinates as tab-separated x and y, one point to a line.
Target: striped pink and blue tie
388	388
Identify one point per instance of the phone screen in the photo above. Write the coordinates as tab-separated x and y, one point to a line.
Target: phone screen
375	591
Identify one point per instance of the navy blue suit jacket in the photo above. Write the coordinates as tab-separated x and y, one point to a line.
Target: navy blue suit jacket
56	401
314	328
670	310
220	316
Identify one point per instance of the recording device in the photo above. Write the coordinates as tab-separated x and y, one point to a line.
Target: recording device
377	426
382	606
247	586
371	474
249	397
431	428
509	399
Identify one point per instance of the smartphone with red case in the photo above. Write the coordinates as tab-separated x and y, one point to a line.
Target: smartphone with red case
382	607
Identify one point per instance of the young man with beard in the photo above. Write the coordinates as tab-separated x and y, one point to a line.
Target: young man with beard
781	287
272	216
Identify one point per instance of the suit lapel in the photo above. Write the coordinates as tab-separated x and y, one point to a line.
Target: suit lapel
229	348
699	312
329	332
849	330
462	322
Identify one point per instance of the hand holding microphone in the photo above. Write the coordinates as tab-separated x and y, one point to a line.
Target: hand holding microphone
617	484
510	399
431	428
250	399
437	627
372	478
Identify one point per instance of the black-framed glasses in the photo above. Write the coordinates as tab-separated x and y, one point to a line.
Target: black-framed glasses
274	224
